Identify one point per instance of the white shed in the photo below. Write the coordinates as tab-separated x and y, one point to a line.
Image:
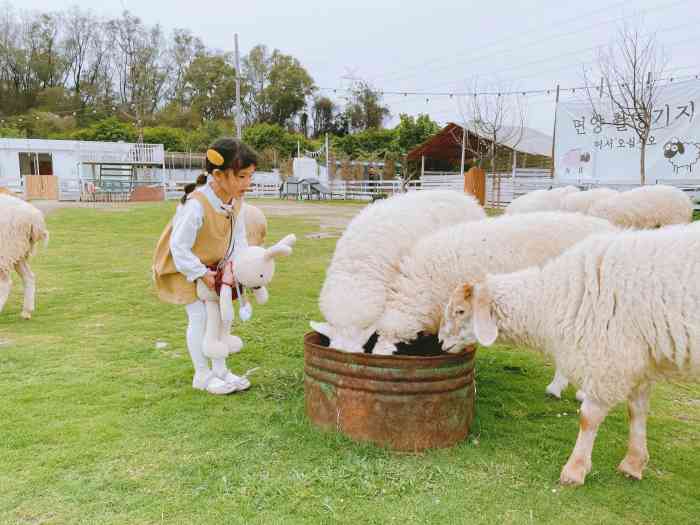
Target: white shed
61	169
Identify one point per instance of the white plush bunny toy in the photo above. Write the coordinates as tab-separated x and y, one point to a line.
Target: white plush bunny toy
252	269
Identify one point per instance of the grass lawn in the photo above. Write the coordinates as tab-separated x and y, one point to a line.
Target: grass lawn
99	426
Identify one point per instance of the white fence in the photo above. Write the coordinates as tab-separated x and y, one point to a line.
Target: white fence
512	186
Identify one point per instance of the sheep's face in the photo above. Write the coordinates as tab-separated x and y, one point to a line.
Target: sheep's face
346	339
467	319
672	148
456	328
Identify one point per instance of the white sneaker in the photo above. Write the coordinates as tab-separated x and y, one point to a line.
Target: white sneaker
241	383
206	380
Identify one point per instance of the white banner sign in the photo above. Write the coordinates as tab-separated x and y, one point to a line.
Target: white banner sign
588	151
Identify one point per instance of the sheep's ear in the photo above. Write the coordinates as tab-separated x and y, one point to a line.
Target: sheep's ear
485	328
681	148
322	328
467	291
366	334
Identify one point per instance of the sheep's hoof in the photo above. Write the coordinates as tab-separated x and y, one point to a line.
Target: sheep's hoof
26	315
573	473
553	391
632	467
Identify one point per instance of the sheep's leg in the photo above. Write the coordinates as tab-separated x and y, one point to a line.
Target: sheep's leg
637	455
558	384
29	283
579	464
5	287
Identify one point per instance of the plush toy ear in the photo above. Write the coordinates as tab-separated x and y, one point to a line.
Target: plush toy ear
277	250
322	328
289	240
485	328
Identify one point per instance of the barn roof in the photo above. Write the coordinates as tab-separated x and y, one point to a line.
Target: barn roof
446	144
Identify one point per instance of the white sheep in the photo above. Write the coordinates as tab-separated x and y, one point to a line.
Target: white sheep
581	201
540	200
618	311
466	252
367	256
645	207
255	224
22	226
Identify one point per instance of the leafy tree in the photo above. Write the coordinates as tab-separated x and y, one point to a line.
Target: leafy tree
413	131
108	130
365	110
277	86
210	86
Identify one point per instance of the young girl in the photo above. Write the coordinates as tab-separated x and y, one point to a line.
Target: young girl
207	226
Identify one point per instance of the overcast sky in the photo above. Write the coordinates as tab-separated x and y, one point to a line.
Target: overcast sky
434	45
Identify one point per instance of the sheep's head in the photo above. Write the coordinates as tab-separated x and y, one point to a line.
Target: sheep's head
255	266
347	339
673	147
467	319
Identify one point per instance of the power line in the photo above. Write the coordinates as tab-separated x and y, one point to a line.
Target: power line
423	70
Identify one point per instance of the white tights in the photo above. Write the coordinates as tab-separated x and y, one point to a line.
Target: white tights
197	319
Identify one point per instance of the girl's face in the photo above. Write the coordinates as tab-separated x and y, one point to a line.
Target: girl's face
236	184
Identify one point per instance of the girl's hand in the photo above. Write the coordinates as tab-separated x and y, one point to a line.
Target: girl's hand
209	279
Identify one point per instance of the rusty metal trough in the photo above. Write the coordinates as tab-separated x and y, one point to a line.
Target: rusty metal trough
406	403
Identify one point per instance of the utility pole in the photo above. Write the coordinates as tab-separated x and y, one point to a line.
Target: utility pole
328	169
238	89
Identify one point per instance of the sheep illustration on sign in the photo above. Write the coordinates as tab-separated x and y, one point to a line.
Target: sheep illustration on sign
682	155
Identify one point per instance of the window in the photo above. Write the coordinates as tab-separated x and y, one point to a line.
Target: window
35	164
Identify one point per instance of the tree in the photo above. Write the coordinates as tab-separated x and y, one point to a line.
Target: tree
140	71
277	86
184	49
411	132
630	69
498	122
108	130
364	109
323	113
210	86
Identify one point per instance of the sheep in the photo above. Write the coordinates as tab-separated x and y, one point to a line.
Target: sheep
639	208
645	207
367	256
540	200
427	275
22	226
582	201
255	224
682	155
618	311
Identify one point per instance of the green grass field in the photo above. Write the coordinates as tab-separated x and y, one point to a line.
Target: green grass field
99	426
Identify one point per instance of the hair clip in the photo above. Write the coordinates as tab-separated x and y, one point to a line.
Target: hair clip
215	157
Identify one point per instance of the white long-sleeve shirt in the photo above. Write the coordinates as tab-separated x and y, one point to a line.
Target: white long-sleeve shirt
188	221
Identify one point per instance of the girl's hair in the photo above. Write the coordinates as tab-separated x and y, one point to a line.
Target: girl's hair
189	188
234	153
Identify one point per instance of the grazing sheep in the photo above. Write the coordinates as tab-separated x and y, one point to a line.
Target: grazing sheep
22	226
618	311
582	201
540	200
467	252
645	207
367	256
